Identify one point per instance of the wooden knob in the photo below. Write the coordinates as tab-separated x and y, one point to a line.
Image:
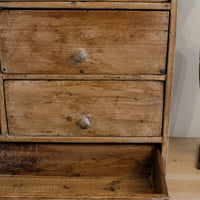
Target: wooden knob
84	123
80	55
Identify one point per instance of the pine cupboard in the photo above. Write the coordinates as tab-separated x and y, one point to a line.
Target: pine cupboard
85	98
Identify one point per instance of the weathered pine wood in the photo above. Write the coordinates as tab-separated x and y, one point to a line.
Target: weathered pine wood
87	5
82	139
3	120
158	174
54	108
84	170
133	197
183	178
76	188
84	77
116	42
153	1
76	160
169	80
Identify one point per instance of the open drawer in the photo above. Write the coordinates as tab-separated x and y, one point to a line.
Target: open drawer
81	171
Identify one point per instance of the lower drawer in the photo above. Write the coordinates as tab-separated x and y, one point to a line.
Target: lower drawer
84	108
81	171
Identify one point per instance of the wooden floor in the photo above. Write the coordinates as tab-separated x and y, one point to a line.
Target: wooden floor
183	178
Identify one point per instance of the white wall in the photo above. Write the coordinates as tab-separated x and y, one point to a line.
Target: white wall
185	119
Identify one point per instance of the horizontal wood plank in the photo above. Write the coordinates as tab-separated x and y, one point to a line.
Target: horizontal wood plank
81	139
41	44
85	189
83	77
87	5
71	187
55	108
41	1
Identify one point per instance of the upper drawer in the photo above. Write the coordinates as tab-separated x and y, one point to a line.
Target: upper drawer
90	42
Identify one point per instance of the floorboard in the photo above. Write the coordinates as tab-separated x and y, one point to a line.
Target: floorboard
183	177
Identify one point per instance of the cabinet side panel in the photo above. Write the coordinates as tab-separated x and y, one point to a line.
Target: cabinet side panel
169	80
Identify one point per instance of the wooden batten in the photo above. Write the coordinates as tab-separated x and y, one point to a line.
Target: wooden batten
84	77
87	5
109	140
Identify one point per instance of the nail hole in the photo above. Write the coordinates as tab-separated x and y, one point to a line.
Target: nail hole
81	71
162	71
73	3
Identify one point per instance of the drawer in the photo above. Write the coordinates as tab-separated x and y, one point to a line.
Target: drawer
84	108
78	171
83	42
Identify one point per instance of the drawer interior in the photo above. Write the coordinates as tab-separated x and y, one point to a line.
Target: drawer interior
82	171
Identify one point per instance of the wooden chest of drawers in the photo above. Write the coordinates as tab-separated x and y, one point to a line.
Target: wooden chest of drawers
85	98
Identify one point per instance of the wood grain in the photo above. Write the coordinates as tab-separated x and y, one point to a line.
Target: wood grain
88	5
84	77
75	160
76	188
158	174
78	171
183	178
55	139
169	80
154	1
116	42
54	108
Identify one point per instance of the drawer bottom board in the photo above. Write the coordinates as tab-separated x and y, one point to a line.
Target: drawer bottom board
81	171
75	188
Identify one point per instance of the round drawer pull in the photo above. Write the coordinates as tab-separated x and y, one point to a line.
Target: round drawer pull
84	123
80	55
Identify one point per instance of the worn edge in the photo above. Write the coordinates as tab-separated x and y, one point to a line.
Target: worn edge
55	139
86	5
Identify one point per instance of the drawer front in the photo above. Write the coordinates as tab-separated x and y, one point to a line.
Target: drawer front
90	42
84	108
